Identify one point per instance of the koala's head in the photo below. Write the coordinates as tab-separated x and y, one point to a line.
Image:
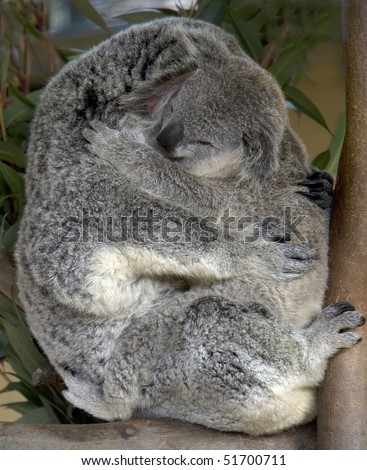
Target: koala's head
216	122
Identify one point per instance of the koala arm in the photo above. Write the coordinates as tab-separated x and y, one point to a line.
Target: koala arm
154	174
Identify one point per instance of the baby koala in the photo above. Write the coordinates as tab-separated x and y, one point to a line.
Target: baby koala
225	330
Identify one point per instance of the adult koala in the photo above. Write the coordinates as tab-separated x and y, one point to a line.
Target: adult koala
222	331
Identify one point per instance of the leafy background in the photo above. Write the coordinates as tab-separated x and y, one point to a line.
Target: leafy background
277	34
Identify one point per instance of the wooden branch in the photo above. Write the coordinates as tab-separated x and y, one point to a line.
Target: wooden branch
145	434
342	414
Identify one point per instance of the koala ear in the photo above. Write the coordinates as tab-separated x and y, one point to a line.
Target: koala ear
150	96
261	154
163	93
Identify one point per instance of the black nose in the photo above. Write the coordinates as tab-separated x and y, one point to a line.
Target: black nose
170	136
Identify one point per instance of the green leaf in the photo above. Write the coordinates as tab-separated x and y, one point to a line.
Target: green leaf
212	12
88	10
7	310
28	392
246	35
336	143
304	104
5	348
38	415
24	347
5	55
12	154
16	112
18	368
13	179
322	160
10	237
20	96
168	11
246	12
22	407
284	67
140	16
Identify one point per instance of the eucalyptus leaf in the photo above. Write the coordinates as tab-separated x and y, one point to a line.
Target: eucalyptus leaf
38	415
140	16
24	347
13	179
336	143
10	237
212	12
12	154
22	407
20	96
321	161
7	310
17	367
28	393
304	104
16	112
88	10
4	65
284	68
246	35
168	12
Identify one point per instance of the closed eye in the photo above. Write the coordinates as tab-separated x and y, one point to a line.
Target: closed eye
204	142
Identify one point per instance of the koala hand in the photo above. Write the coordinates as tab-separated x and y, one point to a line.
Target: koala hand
125	148
289	261
320	188
279	260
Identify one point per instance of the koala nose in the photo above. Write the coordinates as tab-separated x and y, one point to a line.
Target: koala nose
170	136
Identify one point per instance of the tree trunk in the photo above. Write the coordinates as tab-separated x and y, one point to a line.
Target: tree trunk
342	413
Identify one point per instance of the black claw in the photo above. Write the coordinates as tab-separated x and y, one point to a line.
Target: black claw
322	199
341	307
362	321
320	175
311	184
317	186
320	185
312	196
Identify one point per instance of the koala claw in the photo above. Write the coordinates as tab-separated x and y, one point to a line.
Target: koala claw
335	310
320	186
343	315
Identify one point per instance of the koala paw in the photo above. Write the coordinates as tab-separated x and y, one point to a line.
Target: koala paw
332	322
297	260
287	261
320	188
123	148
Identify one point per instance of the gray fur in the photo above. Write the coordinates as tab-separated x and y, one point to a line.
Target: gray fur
225	333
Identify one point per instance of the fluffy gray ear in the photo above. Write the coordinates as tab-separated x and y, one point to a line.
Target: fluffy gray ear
261	152
162	94
149	95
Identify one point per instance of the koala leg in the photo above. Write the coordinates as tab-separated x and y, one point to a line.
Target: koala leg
225	365
239	368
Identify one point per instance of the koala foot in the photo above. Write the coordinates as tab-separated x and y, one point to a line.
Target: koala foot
92	399
329	328
320	188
